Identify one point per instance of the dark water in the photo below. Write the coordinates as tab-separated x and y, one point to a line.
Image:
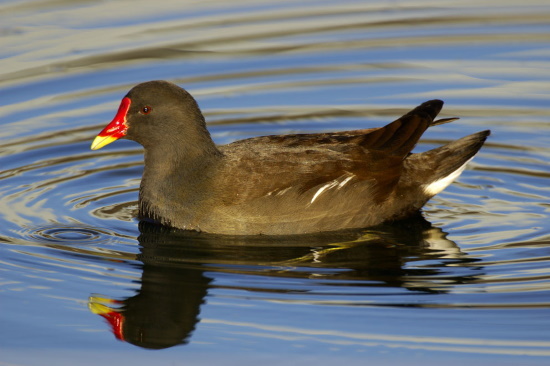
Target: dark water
469	283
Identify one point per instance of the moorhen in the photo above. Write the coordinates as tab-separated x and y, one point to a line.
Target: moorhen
281	184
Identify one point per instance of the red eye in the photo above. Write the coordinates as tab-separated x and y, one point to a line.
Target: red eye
146	110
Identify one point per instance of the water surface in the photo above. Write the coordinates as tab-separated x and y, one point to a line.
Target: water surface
82	282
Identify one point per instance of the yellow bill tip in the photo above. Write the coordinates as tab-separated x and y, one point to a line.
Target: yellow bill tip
101	141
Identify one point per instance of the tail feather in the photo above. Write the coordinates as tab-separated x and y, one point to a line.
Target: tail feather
439	167
442	121
400	137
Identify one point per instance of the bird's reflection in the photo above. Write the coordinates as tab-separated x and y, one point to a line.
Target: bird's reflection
177	269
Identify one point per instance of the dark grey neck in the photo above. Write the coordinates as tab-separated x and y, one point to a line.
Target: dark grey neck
177	178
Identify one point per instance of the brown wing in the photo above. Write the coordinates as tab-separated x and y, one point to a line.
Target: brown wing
304	161
266	166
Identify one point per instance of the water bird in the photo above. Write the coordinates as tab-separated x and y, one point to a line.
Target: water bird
280	184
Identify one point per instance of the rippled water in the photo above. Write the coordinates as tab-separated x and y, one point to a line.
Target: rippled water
468	282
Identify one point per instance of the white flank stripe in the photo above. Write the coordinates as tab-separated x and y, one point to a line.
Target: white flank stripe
345	181
322	189
437	186
283	191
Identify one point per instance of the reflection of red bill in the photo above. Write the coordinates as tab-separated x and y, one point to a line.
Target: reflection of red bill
116	129
114	317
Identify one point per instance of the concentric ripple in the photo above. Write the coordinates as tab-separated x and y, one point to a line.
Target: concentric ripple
69	235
